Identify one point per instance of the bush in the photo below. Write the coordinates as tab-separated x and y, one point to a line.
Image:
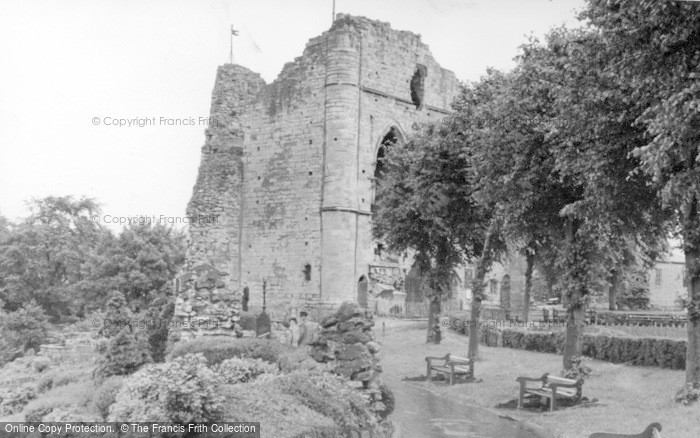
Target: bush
106	395
689	394
41	364
329	395
61	376
75	395
126	352
181	391
281	415
7	352
247	321
17	399
663	353
242	370
27	327
217	350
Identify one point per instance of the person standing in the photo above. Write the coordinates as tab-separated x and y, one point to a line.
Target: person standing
307	329
294	328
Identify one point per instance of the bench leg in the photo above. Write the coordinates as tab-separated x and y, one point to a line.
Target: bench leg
428	372
520	395
451	378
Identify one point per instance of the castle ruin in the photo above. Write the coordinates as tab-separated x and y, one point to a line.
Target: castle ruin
289	168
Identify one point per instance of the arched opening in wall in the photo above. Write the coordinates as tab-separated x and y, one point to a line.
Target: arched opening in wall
418	85
390	139
246	298
505	291
307	272
362	291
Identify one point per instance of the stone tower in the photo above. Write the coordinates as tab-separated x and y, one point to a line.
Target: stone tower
288	168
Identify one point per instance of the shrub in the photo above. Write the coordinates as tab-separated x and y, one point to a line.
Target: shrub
41	364
217	350
17	399
544	342
27	327
264	401
689	394
61	376
126	352
106	395
7	352
158	316
329	395
242	370
75	395
247	321
181	391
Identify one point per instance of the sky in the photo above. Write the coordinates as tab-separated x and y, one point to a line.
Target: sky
70	68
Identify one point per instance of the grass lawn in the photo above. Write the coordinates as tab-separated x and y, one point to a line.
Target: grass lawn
629	397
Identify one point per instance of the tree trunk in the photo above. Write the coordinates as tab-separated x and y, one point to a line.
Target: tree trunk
691	246
575	310
530	263
434	332
615	282
482	268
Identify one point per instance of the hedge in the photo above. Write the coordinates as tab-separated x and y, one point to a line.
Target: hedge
663	353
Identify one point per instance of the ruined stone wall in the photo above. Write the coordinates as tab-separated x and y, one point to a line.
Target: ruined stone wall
288	166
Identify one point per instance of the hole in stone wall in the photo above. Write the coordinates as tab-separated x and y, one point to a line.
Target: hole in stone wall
258	148
311	142
418	85
335	139
311	173
307	272
258	178
363	170
306	243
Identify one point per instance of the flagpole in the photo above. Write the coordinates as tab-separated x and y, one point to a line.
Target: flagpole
231	55
333	16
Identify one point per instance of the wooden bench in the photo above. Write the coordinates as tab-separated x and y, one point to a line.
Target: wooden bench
652	431
550	387
451	365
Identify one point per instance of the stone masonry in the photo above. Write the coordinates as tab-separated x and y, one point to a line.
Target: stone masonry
288	168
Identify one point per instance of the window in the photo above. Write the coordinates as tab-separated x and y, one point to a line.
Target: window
418	85
307	272
657	277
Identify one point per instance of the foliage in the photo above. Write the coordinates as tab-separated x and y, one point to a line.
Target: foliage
158	317
247	321
688	394
17	399
263	399
181	391
117	315
106	395
7	351
329	395
73	395
663	353
216	350
61	376
41	259
41	364
140	262
243	370
579	370
26	327
126	353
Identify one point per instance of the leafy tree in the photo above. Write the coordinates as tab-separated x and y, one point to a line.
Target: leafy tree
140	263
655	49
425	205
157	318
41	258
26	327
